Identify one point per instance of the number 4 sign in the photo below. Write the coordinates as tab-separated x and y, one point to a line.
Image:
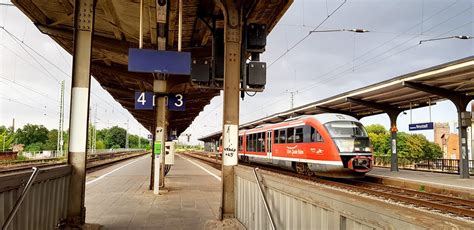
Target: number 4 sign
144	100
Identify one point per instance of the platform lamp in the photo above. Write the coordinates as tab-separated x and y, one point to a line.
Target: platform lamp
462	37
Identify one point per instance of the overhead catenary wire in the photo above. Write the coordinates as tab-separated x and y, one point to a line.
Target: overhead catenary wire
30	89
20	42
366	63
307	35
266	105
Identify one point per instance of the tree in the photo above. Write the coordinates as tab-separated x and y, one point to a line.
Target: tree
30	134
100	144
411	146
52	142
379	138
7	135
115	137
376	129
133	141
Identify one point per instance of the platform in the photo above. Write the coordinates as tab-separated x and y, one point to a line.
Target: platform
118	197
426	181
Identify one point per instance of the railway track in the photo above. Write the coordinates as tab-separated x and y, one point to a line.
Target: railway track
94	162
441	203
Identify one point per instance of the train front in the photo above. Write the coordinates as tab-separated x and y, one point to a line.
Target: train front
352	141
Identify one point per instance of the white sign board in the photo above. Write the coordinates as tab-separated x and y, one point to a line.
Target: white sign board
230	144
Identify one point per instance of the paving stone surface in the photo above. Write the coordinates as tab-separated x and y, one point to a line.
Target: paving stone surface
441	179
120	199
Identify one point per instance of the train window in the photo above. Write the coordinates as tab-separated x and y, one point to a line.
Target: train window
290	135
276	136
299	135
282	136
315	136
251	142
259	145
310	134
255	142
247	147
241	143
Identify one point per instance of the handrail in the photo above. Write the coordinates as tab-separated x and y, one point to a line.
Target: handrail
264	199
20	199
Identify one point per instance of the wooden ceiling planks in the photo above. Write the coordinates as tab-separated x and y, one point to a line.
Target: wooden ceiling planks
116	30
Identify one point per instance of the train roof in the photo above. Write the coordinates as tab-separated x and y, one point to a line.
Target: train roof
328	117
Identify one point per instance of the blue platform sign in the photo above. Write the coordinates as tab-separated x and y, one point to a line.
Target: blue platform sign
176	102
159	61
420	126
144	100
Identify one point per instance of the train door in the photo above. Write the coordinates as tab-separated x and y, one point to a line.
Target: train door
269	144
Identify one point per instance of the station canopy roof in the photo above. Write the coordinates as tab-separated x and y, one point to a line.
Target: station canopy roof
116	29
399	93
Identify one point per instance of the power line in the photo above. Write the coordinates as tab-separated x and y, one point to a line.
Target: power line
31	55
307	35
30	89
18	40
370	51
19	102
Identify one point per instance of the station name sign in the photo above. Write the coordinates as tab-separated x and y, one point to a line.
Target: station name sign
420	126
158	61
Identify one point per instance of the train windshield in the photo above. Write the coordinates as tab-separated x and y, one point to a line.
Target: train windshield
346	129
349	136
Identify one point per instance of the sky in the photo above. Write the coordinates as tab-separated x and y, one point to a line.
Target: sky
322	65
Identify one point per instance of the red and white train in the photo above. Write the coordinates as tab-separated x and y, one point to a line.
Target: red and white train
329	145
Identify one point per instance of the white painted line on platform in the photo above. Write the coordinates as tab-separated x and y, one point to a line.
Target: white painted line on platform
103	176
194	163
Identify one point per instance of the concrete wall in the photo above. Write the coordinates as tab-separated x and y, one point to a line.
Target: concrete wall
299	204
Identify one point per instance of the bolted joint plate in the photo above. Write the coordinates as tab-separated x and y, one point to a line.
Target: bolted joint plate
85	15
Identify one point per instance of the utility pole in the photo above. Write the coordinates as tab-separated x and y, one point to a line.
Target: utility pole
126	137
292	97
139	137
94	131
59	147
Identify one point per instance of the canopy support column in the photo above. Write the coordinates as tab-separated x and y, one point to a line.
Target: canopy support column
232	68
84	11
461	101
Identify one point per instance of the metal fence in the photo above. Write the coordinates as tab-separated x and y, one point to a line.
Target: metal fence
45	204
436	165
298	204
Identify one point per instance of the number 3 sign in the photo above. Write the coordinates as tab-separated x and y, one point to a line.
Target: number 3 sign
176	102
